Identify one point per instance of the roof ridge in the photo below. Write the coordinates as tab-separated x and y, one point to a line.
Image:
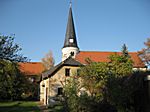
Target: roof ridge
109	51
98	51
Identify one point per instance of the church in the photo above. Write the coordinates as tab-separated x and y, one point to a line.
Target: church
52	81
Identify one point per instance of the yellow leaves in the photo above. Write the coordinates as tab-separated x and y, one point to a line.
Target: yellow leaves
48	61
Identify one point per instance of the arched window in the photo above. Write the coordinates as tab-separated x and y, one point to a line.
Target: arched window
72	53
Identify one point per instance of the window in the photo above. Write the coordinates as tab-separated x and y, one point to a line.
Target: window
43	85
60	91
72	53
67	72
32	79
78	72
71	40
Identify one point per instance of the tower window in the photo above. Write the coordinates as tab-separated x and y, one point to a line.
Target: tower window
67	72
71	40
60	91
72	53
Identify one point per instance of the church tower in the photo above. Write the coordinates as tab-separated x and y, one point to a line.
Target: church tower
70	47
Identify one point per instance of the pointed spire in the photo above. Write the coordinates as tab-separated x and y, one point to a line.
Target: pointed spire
70	37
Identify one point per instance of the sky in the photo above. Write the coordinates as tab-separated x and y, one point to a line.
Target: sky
101	25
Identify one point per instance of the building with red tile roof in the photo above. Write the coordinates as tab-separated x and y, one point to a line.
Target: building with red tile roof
98	56
31	68
53	80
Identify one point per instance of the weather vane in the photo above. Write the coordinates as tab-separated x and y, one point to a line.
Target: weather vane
70	2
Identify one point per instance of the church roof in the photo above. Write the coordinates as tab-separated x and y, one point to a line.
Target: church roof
98	56
68	62
31	68
70	37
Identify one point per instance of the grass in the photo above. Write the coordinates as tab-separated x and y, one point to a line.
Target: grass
19	106
56	109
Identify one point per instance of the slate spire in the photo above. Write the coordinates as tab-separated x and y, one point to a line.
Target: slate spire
70	37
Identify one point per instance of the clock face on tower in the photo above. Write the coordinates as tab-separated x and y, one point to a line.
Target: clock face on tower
71	40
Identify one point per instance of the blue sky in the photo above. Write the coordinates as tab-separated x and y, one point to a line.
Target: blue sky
101	25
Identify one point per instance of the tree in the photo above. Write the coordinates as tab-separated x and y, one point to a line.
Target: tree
103	86
118	93
145	52
104	83
120	66
125	51
48	61
10	50
94	77
12	82
71	90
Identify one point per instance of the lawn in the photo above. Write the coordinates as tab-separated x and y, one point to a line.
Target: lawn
19	106
56	109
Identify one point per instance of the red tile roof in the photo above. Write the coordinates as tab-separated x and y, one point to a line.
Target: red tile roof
31	68
103	57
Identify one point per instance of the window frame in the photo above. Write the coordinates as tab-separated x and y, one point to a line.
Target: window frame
78	71
67	72
59	91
